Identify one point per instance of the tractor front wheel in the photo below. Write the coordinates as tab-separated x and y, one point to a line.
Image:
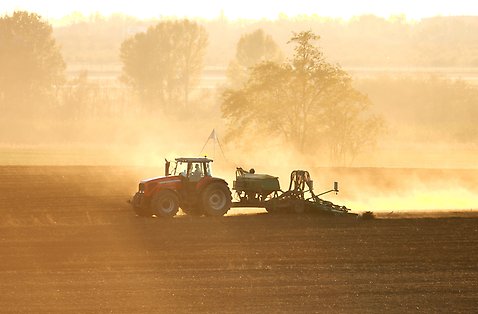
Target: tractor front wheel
165	204
216	199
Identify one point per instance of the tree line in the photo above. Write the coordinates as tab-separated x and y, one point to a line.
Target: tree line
361	41
307	101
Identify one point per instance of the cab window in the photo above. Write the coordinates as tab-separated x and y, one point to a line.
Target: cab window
181	169
196	171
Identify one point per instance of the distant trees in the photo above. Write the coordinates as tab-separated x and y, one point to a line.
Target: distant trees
251	49
306	100
165	62
256	47
31	64
360	41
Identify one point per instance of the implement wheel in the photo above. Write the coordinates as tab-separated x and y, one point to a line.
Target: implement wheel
165	204
216	199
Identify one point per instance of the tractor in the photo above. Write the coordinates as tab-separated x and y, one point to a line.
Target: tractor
187	184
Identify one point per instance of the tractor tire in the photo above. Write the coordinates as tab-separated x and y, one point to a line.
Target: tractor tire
216	199
165	204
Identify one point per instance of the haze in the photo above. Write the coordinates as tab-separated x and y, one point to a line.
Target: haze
246	9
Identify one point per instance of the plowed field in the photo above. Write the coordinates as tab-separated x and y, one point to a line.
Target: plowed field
70	243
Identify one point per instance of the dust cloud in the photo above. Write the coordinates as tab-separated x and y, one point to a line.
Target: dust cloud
411	189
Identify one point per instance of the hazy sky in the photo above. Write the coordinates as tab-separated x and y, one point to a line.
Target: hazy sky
413	9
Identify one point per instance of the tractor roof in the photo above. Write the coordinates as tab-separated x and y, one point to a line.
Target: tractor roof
193	159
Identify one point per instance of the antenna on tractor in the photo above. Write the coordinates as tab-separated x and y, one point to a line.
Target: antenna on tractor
213	137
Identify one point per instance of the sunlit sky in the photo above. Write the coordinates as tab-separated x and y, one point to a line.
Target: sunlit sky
246	9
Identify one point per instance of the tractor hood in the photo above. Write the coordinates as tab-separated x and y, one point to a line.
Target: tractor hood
151	179
161	179
148	186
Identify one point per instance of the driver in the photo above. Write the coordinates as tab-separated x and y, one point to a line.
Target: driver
197	171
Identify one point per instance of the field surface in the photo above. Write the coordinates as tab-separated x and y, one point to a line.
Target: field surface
70	243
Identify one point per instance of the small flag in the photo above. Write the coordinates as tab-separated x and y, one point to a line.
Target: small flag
213	135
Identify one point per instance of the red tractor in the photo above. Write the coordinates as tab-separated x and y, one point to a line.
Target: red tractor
189	185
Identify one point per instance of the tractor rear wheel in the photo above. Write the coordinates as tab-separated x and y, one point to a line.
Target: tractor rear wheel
165	204
216	199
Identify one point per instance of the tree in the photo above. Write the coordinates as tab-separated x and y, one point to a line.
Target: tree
30	61
251	49
306	100
255	47
165	62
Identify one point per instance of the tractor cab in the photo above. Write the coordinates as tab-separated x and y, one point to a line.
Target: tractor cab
193	169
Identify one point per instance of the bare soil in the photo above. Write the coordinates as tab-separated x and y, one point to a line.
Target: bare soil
69	242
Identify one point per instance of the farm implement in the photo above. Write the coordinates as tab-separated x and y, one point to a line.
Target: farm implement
262	190
188	184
